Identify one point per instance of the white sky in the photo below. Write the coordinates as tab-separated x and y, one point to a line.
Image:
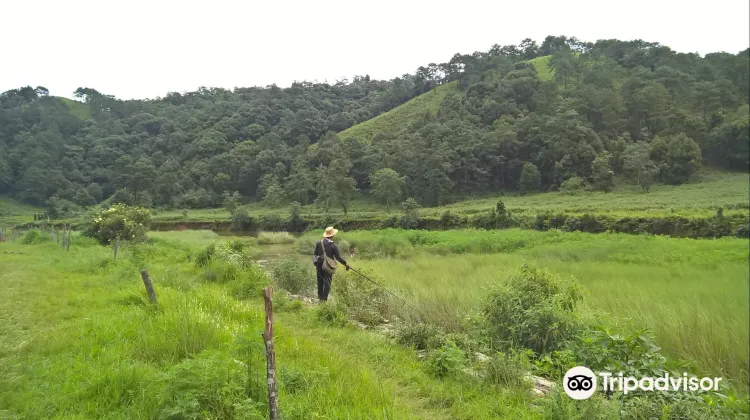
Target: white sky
139	49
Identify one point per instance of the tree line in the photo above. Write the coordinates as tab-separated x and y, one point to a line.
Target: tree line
580	116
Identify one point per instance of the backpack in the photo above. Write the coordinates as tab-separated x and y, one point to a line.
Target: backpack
329	264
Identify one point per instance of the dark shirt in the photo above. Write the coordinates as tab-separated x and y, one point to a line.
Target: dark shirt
331	250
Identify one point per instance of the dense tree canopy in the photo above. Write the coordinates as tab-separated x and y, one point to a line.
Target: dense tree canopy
591	111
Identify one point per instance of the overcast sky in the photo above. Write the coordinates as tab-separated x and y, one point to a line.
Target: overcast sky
139	49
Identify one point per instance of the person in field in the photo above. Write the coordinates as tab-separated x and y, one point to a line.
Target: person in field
326	247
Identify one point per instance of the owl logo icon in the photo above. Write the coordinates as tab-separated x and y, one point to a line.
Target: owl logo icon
579	383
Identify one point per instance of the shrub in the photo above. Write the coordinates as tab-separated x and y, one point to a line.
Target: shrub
119	221
248	283
271	222
241	220
266	238
363	300
293	276
34	236
419	336
634	354
445	361
331	314
410	218
573	185
534	310
296	223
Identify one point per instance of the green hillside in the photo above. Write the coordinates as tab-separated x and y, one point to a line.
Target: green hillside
76	108
541	64
14	212
399	118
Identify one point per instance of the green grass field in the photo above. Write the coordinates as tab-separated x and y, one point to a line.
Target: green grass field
78	340
693	294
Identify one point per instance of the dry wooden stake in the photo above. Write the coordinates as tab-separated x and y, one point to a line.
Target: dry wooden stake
149	286
273	395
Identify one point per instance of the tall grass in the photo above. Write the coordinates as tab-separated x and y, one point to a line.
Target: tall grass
692	293
266	238
78	339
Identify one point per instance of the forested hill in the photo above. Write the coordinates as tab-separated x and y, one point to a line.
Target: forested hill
563	114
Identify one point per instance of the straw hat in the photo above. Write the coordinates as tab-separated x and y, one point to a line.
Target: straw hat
330	231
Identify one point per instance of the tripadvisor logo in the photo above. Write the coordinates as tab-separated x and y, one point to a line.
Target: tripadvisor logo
580	383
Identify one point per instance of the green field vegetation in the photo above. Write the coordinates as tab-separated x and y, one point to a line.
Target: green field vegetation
78	339
13	212
701	199
693	294
399	118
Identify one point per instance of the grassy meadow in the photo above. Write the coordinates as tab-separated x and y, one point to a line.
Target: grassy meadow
693	294
79	340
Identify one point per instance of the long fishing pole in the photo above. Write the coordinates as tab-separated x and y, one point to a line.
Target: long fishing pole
382	287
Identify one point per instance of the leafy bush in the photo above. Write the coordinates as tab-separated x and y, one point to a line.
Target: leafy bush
534	310
634	354
271	222
266	238
573	185
35	236
119	221
410	218
293	276
247	282
241	220
445	361
419	336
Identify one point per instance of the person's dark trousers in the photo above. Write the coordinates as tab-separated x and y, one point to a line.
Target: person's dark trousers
324	284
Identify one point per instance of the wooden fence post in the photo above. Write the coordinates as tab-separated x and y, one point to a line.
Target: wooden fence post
273	395
67	243
116	247
149	286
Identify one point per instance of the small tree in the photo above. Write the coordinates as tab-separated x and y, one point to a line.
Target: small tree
531	179
296	223
602	177
119	222
678	157
387	186
231	201
410	219
572	185
638	166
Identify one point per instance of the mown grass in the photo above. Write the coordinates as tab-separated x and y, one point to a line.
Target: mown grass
693	294
79	340
398	119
